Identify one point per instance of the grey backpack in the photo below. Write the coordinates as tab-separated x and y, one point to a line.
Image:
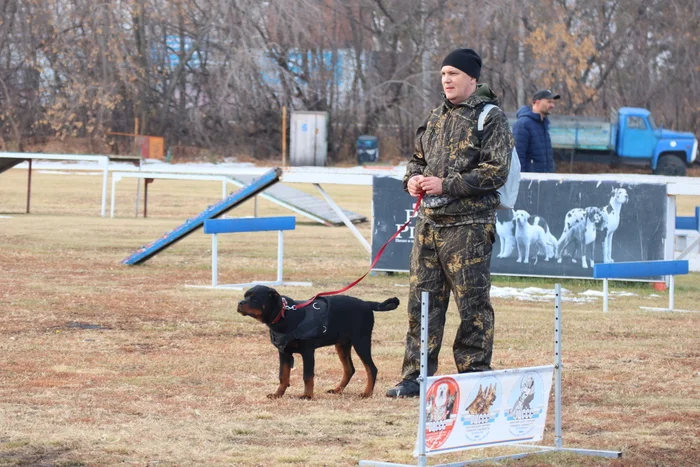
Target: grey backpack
508	193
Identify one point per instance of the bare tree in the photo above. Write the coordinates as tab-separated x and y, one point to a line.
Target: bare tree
215	73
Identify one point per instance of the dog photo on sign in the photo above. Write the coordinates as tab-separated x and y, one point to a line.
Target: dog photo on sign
563	228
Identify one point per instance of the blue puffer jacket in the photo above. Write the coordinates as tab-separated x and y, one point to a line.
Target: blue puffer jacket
532	141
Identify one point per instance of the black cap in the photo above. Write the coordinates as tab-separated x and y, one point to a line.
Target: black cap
544	94
466	60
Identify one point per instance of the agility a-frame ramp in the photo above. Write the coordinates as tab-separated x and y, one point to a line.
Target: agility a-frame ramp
316	209
254	188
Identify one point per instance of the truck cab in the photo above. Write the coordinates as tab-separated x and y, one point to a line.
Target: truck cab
639	139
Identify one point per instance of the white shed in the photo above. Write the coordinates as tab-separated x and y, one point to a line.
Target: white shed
308	138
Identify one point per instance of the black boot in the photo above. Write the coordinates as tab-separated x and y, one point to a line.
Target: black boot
406	388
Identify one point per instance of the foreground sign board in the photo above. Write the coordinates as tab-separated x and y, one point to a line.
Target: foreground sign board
588	221
479	410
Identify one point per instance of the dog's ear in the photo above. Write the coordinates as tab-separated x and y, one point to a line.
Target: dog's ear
273	299
272	305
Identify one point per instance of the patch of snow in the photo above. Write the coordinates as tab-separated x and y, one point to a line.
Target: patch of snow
622	293
535	294
599	293
592	293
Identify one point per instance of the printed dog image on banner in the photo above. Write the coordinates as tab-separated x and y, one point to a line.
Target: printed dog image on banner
505	228
481	405
611	212
532	236
580	227
475	410
584	223
527	404
559	228
527	393
442	401
480	413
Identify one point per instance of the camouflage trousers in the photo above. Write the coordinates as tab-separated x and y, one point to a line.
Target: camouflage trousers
456	259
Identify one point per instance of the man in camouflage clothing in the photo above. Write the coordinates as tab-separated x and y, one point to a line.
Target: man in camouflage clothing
458	170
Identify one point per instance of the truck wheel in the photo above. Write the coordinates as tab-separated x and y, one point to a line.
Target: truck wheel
670	165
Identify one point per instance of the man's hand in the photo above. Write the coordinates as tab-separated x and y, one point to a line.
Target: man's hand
431	185
414	185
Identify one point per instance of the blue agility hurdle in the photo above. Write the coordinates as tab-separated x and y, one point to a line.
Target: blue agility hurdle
689	222
632	269
214	227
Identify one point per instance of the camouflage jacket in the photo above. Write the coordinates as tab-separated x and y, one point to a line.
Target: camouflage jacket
472	168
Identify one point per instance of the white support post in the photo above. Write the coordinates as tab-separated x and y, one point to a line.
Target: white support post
280	255
425	299
115	179
138	193
671	297
214	261
223	189
557	367
105	176
605	295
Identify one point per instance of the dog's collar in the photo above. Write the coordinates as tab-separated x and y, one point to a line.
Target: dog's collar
285	307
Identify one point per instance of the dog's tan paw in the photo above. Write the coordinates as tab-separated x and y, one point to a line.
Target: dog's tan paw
273	396
334	391
306	397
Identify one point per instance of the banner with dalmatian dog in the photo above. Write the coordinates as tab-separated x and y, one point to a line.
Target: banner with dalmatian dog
559	228
562	228
478	410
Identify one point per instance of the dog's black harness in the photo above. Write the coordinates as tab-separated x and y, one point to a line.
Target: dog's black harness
314	324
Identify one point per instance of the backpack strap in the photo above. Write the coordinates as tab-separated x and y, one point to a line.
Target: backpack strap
482	117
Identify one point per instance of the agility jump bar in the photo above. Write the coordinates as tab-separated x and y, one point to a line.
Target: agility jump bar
254	188
639	269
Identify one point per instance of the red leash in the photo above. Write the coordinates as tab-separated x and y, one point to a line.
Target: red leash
376	258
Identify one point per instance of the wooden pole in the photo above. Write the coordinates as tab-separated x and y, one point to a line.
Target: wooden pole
145	197
146	182
284	136
29	185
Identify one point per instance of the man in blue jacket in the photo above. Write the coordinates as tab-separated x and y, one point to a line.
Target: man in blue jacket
531	133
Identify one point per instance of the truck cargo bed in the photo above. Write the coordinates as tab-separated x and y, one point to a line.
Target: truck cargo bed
584	133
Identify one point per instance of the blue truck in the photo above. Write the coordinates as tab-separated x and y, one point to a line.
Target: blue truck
629	138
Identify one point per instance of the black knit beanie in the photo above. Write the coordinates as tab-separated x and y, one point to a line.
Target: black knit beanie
466	60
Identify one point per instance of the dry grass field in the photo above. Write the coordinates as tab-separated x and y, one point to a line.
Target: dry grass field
105	364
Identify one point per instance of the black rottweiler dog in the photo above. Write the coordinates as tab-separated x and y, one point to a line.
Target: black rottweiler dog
339	320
